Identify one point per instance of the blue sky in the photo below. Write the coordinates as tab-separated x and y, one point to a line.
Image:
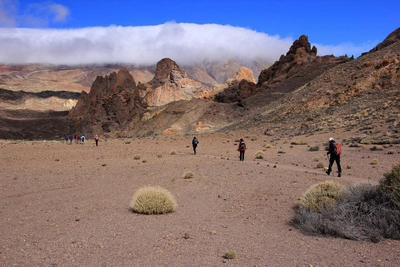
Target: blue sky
143	32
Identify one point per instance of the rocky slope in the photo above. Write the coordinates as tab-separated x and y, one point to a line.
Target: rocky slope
359	95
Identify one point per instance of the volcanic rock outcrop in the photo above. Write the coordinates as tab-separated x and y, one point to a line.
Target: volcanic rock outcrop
112	103
168	85
300	65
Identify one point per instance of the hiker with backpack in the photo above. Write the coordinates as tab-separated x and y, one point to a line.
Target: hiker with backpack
96	139
195	142
335	151
241	149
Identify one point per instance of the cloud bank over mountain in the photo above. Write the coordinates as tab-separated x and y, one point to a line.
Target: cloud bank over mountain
185	43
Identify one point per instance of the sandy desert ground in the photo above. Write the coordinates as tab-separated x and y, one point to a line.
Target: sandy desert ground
68	205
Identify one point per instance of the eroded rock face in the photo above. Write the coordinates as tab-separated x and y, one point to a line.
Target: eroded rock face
112	103
168	85
167	70
228	92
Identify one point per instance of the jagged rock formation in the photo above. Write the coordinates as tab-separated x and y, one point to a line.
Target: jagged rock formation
168	85
291	66
113	102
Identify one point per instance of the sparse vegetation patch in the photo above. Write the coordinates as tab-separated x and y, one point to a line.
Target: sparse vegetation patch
230	254
259	155
153	200
363	211
188	175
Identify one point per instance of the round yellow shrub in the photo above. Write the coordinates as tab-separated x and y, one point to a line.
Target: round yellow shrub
153	200
322	196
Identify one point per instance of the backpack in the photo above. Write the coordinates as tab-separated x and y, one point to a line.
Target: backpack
242	145
337	149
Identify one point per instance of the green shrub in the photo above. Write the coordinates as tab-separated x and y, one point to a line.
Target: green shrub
230	255
298	143
260	155
173	152
322	196
314	148
153	200
391	184
136	157
188	175
320	165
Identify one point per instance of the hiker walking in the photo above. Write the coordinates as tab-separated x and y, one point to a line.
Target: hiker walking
195	142
96	139
83	138
241	149
70	139
334	151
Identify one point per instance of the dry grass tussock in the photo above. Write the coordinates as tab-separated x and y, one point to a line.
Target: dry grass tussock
153	200
322	196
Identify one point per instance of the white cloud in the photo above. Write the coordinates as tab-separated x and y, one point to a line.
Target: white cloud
184	43
348	49
145	45
59	12
35	14
8	11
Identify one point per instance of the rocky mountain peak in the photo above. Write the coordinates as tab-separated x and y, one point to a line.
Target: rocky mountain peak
113	83
167	70
302	45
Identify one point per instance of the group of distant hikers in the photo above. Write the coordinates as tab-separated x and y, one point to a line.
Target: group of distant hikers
79	139
334	150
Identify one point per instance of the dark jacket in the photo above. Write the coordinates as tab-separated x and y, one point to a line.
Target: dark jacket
331	149
242	148
195	141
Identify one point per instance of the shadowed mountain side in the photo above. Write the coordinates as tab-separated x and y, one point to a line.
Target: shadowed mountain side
30	124
9	95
